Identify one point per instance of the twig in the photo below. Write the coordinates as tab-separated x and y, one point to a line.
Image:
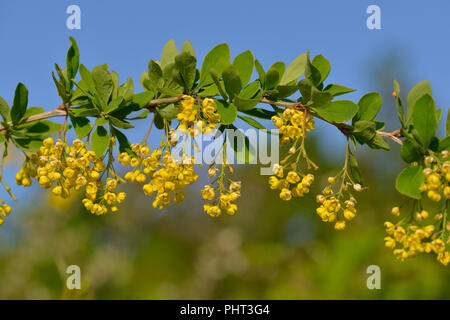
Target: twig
61	110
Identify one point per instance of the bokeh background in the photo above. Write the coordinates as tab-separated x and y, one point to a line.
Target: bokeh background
270	249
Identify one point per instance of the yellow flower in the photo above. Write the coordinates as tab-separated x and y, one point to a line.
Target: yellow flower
340	225
285	194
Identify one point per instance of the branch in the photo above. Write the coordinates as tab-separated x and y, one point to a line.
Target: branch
61	110
344	128
394	135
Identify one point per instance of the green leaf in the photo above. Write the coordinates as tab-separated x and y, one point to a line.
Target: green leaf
447	124
261	73
379	125
409	181
218	83
81	125
284	91
246	103
444	144
364	131
218	58
252	122
295	69
320	99
4	109
114	105
355	172
99	141
417	92
232	81
305	87
169	112
20	103
212	90
227	111
120	123
409	152
260	113
126	90
155	74
311	72
186	65
72	59
60	87
338	111
424	119
115	80
143	115
103	83
337	90
31	111
169	53
101	122
83	111
65	82
143	98
369	106
145	82
251	90
396	87
378	142
187	47
41	128
245	63
322	65
272	78
159	121
124	144
29	145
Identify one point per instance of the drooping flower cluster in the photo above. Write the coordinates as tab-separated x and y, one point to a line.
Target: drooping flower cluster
293	125
167	175
228	192
422	232
189	116
292	184
332	206
407	240
71	168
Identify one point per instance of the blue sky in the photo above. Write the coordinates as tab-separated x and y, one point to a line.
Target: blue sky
126	34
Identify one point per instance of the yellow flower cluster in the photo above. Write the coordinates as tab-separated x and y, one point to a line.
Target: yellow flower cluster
331	208
293	125
407	241
5	210
416	233
290	185
70	168
437	180
224	201
110	197
166	175
189	113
